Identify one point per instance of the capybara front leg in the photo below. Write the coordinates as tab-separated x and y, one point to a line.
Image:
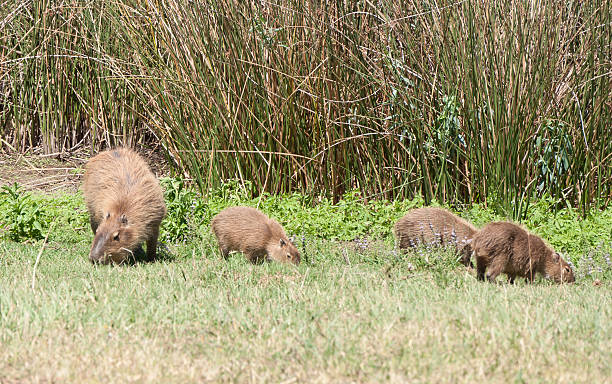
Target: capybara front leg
94	224
152	244
224	252
496	267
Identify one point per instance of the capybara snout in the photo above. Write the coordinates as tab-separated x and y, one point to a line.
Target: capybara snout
110	240
561	270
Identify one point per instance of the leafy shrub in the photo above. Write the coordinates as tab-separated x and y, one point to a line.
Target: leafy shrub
586	240
184	206
20	215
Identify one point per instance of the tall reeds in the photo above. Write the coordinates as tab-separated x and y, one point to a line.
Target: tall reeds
460	101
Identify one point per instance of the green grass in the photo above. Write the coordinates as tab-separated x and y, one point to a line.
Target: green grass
195	316
345	314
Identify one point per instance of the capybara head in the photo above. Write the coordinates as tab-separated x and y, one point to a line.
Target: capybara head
112	239
285	252
558	269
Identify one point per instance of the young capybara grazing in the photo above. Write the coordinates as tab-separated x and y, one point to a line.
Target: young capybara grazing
125	204
249	231
503	247
435	226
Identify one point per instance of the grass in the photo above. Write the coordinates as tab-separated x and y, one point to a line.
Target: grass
351	312
195	317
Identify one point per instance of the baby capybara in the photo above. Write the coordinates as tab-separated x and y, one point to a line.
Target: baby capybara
435	226
249	231
503	247
125	204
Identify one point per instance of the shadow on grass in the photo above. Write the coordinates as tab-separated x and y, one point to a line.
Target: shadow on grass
140	256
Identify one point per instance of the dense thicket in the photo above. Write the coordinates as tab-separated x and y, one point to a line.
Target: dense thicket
455	100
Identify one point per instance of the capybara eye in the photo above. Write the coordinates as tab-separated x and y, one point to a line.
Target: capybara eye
116	237
123	219
288	256
108	215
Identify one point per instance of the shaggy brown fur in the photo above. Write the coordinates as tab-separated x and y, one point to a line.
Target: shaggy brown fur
503	247
249	231
438	226
125	204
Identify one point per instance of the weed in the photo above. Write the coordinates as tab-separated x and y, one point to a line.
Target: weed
20	214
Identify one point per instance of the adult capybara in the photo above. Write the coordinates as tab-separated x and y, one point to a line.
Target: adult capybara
435	226
249	231
503	247
125	204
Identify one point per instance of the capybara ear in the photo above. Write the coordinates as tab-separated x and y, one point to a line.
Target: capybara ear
282	243
556	257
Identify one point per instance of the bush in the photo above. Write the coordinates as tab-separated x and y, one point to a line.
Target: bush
20	216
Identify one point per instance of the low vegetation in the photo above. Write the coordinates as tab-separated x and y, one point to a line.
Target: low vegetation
586	241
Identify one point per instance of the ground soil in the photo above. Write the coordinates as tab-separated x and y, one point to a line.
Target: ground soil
59	171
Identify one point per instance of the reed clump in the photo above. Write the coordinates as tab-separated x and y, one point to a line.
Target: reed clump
455	101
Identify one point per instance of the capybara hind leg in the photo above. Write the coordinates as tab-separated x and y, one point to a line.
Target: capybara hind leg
481	267
510	279
152	244
224	252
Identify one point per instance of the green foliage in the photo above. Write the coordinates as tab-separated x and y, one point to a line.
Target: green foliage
584	240
70	216
19	214
185	208
554	149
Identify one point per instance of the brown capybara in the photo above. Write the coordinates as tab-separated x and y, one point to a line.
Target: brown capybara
435	226
503	247
125	204
249	231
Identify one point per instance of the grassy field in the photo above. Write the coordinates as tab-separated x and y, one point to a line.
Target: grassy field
343	316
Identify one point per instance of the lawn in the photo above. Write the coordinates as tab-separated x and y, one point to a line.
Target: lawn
344	315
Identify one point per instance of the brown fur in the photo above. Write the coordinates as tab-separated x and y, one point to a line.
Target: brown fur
249	231
503	247
431	225
125	204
